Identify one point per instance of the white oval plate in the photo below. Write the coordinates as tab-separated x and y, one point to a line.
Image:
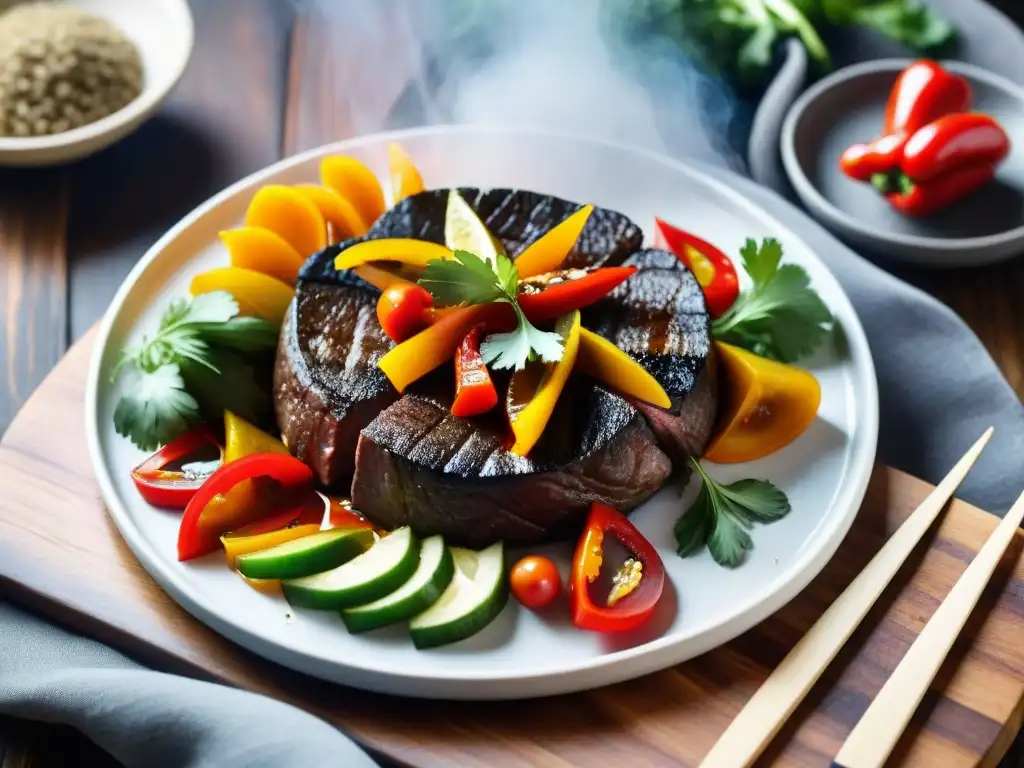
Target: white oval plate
162	30
825	472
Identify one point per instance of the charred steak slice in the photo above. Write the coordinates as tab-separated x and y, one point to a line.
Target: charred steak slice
660	318
517	218
420	466
327	385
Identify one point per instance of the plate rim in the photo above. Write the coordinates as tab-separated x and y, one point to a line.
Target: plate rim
611	667
948	246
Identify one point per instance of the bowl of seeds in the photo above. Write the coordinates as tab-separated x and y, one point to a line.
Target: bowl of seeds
78	75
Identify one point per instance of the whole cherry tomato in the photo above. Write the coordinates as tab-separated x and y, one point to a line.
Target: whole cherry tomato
535	581
403	310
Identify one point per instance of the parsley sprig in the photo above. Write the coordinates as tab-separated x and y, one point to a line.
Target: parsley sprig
467	279
193	366
782	317
722	516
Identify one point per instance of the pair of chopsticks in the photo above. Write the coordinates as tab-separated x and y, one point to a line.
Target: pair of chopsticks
873	738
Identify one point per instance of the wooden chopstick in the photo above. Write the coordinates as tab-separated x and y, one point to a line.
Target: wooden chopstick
773	703
878	730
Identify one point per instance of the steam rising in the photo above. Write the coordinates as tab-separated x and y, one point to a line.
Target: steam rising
557	65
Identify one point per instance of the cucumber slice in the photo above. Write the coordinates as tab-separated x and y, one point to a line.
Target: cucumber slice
302	557
430	580
382	569
473	600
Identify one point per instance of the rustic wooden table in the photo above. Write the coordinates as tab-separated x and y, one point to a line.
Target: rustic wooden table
68	236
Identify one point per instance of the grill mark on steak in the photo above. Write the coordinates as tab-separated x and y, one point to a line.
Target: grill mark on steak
459	479
660	318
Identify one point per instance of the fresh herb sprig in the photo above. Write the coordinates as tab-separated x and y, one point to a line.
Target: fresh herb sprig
782	317
466	280
190	368
722	515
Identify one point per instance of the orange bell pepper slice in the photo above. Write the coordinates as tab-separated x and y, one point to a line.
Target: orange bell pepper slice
534	390
236	544
343	217
414	358
263	251
405	177
605	362
356	183
767	406
257	294
547	252
290	215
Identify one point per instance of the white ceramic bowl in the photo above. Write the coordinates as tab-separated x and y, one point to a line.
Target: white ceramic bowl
825	472
162	30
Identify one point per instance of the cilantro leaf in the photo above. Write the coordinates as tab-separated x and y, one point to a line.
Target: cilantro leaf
233	386
464	279
722	515
245	334
213	307
468	279
156	408
782	318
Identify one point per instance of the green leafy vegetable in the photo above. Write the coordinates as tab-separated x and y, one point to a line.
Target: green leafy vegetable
187	369
467	279
737	38
722	515
782	317
156	408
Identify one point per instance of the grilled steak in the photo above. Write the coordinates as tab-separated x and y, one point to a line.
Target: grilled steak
660	318
416	464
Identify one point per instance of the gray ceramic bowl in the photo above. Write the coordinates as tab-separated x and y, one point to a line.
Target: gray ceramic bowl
847	107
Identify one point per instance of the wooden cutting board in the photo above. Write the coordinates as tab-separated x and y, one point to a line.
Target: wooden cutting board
61	555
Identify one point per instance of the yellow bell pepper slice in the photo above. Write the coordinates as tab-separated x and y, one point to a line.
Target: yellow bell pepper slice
244	439
235	546
415	357
270	587
263	251
534	390
403	250
257	294
289	214
767	405
547	252
343	217
605	362
405	177
356	183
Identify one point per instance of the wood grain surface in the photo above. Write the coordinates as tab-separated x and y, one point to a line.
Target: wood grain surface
68	236
970	716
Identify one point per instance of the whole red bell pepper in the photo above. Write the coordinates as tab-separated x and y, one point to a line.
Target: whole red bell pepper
923	92
240	493
714	270
173	489
637	585
945	162
474	390
573	289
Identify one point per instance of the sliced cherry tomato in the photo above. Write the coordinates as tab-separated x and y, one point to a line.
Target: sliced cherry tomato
636	586
403	310
535	581
173	489
242	492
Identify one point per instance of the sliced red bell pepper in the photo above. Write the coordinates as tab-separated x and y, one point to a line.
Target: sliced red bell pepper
714	270
569	290
172	489
923	92
341	515
638	584
474	390
237	494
